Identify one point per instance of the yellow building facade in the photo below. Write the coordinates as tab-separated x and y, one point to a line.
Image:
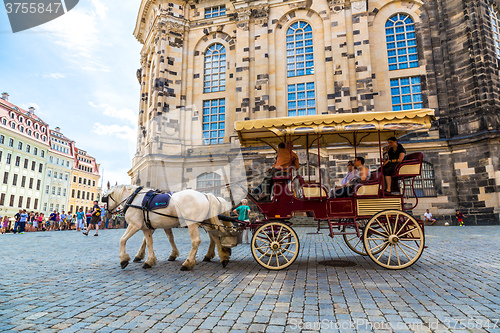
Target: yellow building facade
84	182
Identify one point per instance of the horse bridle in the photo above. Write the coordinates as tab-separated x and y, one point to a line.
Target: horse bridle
127	199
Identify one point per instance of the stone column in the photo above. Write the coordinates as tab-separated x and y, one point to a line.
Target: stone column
261	63
243	61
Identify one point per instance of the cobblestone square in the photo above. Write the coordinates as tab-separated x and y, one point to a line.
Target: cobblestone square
64	281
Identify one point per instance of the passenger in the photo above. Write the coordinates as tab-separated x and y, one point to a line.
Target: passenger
395	155
284	160
361	174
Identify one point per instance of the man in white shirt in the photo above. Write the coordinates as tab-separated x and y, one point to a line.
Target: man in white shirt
429	218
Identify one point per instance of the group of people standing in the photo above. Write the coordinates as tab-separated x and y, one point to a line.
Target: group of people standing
24	221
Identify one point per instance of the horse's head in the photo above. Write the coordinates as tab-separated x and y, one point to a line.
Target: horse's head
114	197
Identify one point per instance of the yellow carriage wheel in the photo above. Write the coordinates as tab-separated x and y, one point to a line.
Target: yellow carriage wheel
393	239
353	241
275	245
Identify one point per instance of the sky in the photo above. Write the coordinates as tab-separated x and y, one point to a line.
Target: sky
79	72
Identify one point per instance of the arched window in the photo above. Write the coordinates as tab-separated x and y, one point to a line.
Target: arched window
425	184
215	69
401	42
495	27
209	183
299	49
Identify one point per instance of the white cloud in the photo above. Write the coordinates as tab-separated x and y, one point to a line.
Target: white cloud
54	76
114	176
121	132
123	114
100	8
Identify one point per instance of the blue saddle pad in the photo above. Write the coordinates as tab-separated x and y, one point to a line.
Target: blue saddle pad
154	200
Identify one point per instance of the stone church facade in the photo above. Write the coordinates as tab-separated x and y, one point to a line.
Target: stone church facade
206	64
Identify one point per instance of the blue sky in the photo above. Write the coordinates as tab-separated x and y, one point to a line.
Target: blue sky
79	72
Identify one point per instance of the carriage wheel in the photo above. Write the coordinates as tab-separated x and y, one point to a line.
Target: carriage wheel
393	239
354	242
275	245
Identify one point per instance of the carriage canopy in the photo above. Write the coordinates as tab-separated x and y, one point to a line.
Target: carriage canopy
333	129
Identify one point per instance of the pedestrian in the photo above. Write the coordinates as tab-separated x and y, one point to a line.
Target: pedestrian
460	218
58	220
52	221
17	217
35	222
429	218
62	221
80	216
5	224
88	216
22	221
40	222
94	220
243	212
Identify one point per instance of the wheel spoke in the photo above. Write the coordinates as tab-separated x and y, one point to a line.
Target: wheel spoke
270	258
382	226
388	223
285	237
371	238
262	239
376	247
291	243
404	252
381	253
264	254
277	260
416	250
288	251
287	261
279	232
390	254
402	235
378	232
397	255
400	229
261	247
359	240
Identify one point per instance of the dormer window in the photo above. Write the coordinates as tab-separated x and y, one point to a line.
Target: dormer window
13	125
28	122
37	135
4	121
12	115
36	126
21	118
21	128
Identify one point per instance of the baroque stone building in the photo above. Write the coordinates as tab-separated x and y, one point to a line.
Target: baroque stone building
207	64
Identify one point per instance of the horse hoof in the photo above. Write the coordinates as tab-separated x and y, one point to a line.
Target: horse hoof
124	264
206	259
224	263
171	258
145	266
137	259
184	268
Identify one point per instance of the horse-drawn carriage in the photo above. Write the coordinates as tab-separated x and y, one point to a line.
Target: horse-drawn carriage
372	222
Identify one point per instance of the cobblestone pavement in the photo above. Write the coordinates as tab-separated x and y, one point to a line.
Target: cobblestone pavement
64	281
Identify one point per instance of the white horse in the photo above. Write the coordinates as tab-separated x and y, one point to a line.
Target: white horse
223	207
190	206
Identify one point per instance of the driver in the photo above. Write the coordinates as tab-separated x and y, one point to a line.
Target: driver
284	160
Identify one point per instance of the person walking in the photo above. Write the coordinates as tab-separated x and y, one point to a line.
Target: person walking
52	220
94	220
243	212
5	224
80	216
17	217
22	221
62	221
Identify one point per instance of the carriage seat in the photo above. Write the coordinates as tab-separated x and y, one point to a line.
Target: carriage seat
410	167
303	190
370	187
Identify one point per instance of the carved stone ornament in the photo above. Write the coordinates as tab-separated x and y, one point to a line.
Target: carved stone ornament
359	5
244	14
175	27
336	6
261	11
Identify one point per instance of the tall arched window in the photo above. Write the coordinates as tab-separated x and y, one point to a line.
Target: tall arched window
215	69
299	49
401	42
209	183
495	27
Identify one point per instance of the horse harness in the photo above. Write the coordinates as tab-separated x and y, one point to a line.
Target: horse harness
149	198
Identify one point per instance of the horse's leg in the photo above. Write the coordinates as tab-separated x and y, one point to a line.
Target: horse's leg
142	250
211	249
175	252
195	243
151	261
224	252
124	257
